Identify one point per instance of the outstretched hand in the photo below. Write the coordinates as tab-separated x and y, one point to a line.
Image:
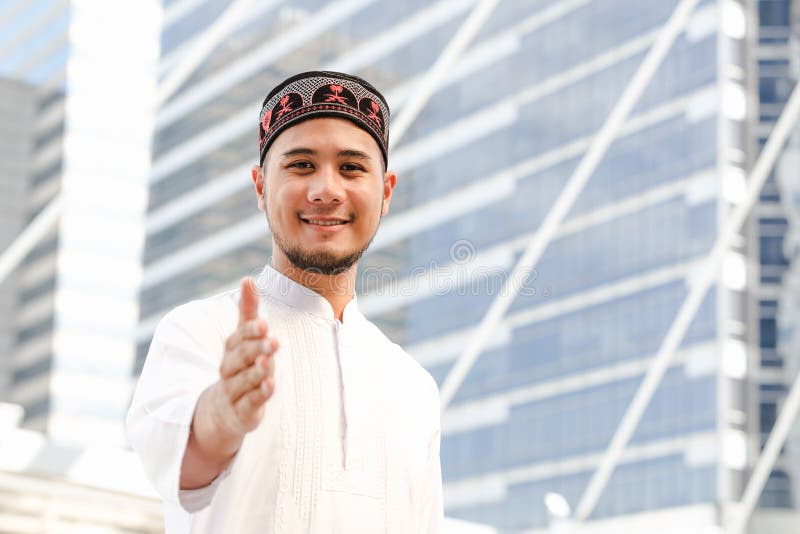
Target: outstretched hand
234	405
247	371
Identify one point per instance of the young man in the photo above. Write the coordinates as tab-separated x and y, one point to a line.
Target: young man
278	407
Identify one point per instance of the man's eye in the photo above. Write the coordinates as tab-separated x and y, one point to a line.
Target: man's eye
352	167
301	165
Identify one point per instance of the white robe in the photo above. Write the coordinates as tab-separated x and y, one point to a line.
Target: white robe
349	441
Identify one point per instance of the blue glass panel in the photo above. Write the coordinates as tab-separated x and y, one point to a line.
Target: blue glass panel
580	422
657	483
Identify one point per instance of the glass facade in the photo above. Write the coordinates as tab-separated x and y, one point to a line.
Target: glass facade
17	106
777	74
479	168
77	287
33	44
34	50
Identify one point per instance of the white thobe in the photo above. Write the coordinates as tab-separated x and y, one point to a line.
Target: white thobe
349	441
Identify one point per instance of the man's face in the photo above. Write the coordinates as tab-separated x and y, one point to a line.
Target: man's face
324	190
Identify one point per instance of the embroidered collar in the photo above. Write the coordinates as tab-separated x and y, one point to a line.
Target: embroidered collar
286	291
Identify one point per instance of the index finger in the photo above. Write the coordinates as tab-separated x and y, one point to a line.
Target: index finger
248	302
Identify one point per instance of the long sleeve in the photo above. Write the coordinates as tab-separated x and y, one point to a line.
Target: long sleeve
432	505
432	513
183	360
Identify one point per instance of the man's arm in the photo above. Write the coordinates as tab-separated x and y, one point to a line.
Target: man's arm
431	517
185	442
234	405
432	514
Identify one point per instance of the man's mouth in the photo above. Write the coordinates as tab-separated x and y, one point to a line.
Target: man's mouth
324	221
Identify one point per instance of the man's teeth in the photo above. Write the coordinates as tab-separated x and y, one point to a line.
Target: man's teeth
325	223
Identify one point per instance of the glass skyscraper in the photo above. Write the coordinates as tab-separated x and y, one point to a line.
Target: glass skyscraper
34	52
16	138
775	64
89	84
478	170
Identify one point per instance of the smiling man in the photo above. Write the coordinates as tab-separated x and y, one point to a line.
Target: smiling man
277	407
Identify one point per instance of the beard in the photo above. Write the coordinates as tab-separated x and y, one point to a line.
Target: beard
319	262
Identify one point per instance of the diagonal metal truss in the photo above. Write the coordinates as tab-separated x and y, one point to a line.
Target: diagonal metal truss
701	282
201	48
600	144
428	85
765	463
31	235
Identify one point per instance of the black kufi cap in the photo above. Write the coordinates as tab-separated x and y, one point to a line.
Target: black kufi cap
314	94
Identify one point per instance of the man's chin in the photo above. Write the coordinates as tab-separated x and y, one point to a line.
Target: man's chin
325	258
324	262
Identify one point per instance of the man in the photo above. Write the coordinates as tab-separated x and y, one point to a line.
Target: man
277	407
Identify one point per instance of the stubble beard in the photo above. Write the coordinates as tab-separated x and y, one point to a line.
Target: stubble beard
319	262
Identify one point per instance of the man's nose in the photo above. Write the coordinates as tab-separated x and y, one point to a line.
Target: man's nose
325	186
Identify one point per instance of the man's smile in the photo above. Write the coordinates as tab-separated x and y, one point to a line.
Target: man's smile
324	224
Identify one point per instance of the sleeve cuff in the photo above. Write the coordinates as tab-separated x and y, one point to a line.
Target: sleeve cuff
194	500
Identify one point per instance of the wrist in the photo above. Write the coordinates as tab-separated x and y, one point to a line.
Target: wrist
221	438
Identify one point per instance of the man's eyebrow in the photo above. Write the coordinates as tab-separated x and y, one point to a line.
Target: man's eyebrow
348	153
354	154
298	152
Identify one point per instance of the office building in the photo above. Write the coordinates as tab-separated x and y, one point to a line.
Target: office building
774	71
478	170
89	84
16	144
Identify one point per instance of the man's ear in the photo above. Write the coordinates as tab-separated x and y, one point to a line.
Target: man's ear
257	174
389	181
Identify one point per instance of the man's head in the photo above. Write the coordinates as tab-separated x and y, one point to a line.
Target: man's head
322	178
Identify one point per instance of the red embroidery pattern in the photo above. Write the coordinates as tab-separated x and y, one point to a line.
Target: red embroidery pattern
285	106
335	95
374	114
319	107
266	119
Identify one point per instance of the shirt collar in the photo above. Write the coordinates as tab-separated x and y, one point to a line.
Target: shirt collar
286	291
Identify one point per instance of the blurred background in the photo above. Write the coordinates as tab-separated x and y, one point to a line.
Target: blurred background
127	132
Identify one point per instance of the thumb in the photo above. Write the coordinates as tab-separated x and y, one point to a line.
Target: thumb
248	302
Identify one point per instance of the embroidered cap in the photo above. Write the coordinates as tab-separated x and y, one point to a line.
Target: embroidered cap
315	94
